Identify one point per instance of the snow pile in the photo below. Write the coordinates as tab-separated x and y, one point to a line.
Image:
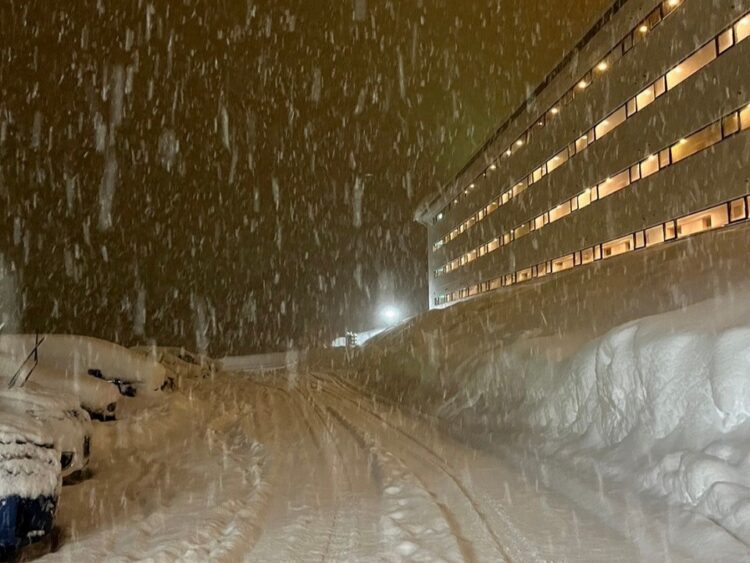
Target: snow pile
29	465
663	401
74	354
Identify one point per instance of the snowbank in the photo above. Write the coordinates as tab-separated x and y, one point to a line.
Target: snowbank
78	354
662	402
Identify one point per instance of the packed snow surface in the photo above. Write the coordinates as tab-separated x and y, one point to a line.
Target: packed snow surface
304	466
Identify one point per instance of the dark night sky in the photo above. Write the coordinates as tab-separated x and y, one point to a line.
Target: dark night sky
242	174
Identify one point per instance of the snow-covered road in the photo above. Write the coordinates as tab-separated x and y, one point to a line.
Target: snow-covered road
304	467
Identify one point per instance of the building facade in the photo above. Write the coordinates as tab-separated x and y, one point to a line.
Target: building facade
641	136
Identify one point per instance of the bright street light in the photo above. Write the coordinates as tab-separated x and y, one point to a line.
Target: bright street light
390	314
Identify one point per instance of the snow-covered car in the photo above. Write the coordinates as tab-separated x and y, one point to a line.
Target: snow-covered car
98	398
30	482
179	361
86	355
65	421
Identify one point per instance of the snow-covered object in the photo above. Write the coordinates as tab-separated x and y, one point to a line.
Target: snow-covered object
663	401
29	463
82	354
67	424
180	362
96	396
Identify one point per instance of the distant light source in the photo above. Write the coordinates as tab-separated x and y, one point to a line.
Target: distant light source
472	186
683	141
554	111
493	166
583	84
440	216
673	3
390	314
519	142
602	66
508	152
643	28
745	20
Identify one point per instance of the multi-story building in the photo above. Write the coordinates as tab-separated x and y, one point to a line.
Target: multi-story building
637	138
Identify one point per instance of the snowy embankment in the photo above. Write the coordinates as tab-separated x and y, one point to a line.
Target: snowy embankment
662	402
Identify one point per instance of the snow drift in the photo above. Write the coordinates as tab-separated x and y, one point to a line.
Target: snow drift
662	402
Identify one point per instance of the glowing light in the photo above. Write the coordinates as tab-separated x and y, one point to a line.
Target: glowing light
507	153
390	314
745	20
602	66
493	166
652	157
643	28
683	141
583	84
440	216
519	143
673	3
554	111
472	186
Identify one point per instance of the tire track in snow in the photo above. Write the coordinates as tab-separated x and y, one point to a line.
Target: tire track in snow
437	460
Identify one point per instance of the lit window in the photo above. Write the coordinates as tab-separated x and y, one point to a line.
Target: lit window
655	235
660	86
586	198
730	124
557	160
649	166
691	65
702	221
697	142
537	175
614	184
587	256
613	120
563	263
520	187
540	221
617	246
640	241
745	118
726	40
522	231
742	28
493	245
506	238
559	212
646	97
631	107
581	143
524	275
737	210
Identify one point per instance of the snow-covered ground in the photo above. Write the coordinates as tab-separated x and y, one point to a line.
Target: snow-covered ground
304	466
